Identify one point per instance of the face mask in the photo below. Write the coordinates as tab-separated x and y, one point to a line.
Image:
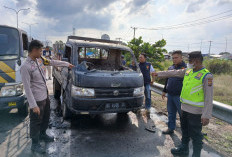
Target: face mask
190	66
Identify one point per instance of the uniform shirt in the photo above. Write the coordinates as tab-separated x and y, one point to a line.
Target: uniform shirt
206	111
33	78
146	68
173	85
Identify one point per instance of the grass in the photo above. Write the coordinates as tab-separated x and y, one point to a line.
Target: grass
222	88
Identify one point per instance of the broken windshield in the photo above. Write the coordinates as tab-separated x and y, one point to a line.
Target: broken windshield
105	59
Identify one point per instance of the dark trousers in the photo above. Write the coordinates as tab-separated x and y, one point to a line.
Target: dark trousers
147	93
191	128
173	106
39	123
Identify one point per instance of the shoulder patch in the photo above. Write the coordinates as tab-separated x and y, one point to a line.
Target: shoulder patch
188	71
210	81
199	75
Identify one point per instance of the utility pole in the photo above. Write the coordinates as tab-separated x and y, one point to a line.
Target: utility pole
134	30
201	45
209	46
226	46
30	24
188	48
17	13
74	30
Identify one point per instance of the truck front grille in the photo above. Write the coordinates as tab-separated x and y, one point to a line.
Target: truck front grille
114	92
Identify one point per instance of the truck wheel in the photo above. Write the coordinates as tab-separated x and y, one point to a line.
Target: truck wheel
56	89
23	111
67	114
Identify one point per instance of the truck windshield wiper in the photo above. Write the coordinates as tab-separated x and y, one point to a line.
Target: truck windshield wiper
90	71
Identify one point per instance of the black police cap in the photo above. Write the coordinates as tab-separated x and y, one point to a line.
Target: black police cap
195	54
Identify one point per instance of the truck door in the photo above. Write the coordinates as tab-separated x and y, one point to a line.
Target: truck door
65	73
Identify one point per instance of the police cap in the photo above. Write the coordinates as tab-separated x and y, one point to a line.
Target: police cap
195	55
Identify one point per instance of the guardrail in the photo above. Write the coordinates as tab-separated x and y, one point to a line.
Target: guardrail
220	110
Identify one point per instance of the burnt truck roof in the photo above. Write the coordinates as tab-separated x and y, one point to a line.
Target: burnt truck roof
93	42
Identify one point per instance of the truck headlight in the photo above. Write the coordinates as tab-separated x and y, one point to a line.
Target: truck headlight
82	92
12	90
138	91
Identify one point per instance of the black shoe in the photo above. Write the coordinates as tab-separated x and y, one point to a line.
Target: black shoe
168	131
182	149
46	138
38	148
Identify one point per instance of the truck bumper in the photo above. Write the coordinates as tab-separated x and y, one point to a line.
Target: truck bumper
12	102
105	105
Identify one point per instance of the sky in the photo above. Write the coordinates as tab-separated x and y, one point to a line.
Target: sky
54	20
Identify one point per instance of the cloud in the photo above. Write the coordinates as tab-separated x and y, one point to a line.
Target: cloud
224	2
73	13
195	6
136	5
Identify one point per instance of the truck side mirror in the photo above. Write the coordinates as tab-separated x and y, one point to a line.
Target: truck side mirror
19	62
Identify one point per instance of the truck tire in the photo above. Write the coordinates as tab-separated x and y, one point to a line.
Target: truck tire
67	114
56	89
23	111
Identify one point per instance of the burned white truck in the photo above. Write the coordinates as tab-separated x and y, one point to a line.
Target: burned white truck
106	78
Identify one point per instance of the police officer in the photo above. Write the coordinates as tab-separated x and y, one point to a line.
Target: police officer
196	102
173	87
146	69
34	81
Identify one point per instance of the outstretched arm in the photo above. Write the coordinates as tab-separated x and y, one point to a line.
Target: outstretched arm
56	63
170	73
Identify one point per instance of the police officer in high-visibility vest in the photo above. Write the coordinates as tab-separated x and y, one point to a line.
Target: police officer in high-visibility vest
196	102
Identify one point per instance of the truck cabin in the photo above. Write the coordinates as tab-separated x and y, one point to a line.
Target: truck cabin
101	55
106	59
11	46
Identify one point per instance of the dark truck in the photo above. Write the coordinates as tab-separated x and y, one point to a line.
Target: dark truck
13	51
102	81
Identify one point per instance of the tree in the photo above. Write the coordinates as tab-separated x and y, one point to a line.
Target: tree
59	46
154	52
224	53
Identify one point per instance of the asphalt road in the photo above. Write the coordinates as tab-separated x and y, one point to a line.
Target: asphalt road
107	135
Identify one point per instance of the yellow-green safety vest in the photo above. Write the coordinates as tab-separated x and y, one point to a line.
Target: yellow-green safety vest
192	91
